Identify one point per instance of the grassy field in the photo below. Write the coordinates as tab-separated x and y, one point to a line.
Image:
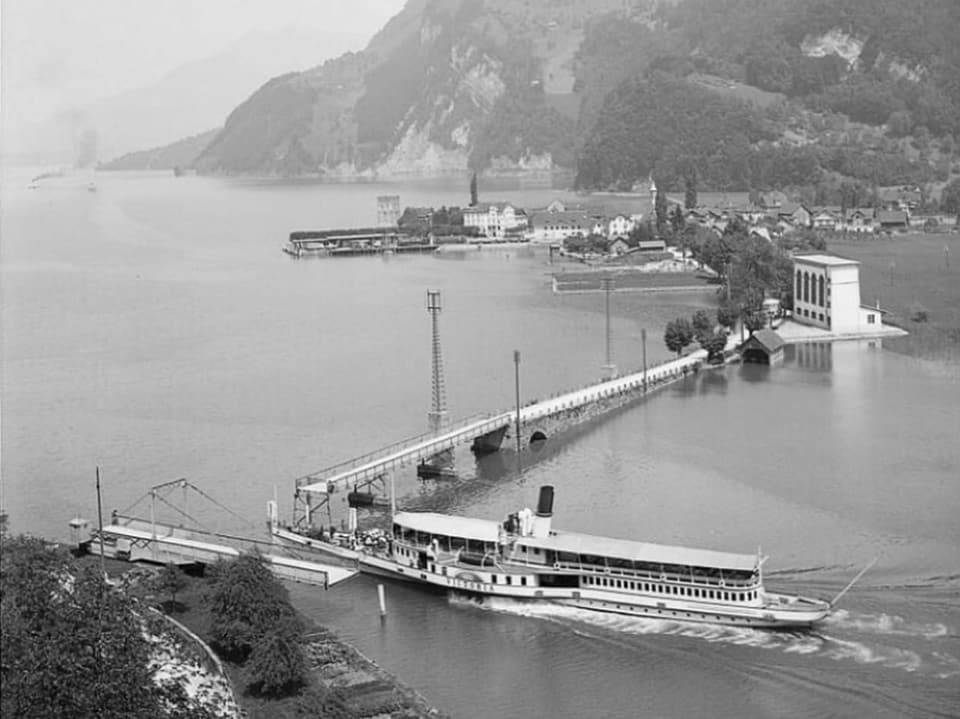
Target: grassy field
903	272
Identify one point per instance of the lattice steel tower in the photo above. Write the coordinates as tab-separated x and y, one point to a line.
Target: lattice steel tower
438	414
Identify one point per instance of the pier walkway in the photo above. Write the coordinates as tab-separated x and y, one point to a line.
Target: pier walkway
487	431
375	464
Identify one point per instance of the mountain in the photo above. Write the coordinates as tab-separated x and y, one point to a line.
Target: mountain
189	100
180	154
744	94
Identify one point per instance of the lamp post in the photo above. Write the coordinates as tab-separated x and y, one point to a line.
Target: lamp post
643	341
609	369
516	382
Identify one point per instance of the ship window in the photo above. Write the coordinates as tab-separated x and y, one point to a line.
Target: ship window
619	584
523	581
509	580
493	578
536	550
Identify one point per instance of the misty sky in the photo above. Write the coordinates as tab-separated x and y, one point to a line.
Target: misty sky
58	54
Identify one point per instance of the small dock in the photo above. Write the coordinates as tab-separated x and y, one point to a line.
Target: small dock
134	539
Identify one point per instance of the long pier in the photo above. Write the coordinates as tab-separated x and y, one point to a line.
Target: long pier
539	420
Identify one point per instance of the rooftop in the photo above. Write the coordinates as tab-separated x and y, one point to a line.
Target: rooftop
767	338
640	551
825	260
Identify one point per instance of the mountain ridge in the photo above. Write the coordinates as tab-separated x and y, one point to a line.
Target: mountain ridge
859	90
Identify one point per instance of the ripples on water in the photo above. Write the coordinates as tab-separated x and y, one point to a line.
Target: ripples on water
844	636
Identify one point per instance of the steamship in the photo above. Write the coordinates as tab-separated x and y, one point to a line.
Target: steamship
523	557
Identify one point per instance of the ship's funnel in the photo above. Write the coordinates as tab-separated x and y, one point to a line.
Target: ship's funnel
542	519
545	503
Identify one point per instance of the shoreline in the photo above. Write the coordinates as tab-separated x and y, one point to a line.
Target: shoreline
333	665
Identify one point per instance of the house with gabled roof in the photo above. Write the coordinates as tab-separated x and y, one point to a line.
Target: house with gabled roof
826	218
893	219
860	219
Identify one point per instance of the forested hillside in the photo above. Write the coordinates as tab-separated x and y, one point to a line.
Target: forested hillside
743	94
861	89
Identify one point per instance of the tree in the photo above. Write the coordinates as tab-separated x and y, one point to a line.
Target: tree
754	320
726	316
716	252
170	580
677	221
473	190
714	344
72	644
950	199
690	189
277	663
678	334
702	325
245	601
661	210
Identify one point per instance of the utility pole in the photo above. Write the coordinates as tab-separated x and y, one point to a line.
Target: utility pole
103	570
609	369
438	412
516	384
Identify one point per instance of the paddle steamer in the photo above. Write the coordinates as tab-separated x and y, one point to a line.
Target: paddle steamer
523	557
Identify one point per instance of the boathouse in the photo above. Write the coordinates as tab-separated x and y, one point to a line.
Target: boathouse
763	347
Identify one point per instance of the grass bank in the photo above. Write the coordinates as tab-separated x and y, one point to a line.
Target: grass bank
904	272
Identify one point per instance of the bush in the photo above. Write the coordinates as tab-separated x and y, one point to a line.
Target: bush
919	313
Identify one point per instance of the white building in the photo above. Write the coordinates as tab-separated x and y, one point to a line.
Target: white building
493	219
826	294
619	226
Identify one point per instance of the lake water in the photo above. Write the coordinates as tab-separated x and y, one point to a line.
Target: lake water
154	328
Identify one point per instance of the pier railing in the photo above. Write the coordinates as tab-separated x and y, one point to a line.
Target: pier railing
396	453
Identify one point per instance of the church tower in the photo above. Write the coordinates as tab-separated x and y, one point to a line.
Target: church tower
653	192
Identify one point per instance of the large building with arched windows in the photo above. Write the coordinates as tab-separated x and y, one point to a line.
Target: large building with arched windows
826	293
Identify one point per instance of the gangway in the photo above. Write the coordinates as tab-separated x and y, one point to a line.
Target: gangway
134	539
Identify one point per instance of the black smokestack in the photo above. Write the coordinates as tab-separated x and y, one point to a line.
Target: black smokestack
545	503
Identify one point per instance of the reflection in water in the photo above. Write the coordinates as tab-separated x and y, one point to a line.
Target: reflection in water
813	355
755	372
713	381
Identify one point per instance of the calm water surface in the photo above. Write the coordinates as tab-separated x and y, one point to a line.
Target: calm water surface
154	328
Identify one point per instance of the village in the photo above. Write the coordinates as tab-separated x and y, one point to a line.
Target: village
604	227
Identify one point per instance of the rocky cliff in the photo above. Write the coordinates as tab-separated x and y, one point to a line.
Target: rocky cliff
745	93
447	86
